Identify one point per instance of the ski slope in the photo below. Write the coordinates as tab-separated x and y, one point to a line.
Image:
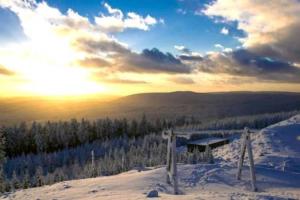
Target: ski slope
276	151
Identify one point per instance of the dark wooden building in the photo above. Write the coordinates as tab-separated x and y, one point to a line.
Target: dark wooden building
213	142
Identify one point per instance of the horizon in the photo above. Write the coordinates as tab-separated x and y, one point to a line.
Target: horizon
107	98
71	49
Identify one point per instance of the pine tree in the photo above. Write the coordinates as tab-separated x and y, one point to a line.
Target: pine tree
15	182
143	126
39	176
2	157
2	147
26	179
2	181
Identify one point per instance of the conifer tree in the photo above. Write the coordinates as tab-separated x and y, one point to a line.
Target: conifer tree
26	179
15	182
2	181
39	176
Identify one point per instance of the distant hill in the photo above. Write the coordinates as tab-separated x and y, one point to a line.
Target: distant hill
204	106
208	105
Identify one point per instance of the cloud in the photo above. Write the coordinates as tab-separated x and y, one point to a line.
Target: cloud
115	12
191	57
5	71
85	46
219	46
187	54
154	61
182	49
227	50
117	22
93	62
244	63
182	80
124	81
96	46
270	48
271	27
124	59
224	31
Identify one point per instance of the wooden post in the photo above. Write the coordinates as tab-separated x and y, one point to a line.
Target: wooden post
171	166
241	159
246	143
174	166
93	158
168	167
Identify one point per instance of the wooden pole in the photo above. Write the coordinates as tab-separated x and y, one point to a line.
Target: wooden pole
168	167
246	143
174	166
251	161
241	159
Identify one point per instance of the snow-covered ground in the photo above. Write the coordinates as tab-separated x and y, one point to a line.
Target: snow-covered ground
277	163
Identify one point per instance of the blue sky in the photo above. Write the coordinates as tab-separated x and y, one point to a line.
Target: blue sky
197	32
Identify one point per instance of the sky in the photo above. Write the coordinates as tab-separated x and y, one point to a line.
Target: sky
77	48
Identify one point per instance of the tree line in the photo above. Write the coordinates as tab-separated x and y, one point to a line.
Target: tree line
53	136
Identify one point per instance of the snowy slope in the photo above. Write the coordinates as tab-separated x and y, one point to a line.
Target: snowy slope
277	159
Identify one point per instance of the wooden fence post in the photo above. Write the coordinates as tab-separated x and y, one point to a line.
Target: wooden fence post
168	167
171	166
246	143
174	163
242	156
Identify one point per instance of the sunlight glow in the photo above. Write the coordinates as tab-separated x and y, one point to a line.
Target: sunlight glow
61	81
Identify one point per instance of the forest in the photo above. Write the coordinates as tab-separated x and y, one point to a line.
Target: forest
39	153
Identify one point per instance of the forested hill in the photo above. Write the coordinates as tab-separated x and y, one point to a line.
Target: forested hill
204	106
209	105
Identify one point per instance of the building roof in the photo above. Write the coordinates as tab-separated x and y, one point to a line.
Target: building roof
206	141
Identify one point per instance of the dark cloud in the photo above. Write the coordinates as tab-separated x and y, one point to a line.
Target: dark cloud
148	61
286	44
263	64
4	71
268	32
190	58
155	61
245	63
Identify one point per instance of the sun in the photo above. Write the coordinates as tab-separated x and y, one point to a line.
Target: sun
60	81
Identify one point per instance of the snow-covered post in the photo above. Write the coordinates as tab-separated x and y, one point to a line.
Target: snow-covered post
93	158
168	167
208	154
241	159
246	143
250	155
171	167
174	166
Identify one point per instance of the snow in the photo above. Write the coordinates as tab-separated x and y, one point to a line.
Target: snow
207	141
276	151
